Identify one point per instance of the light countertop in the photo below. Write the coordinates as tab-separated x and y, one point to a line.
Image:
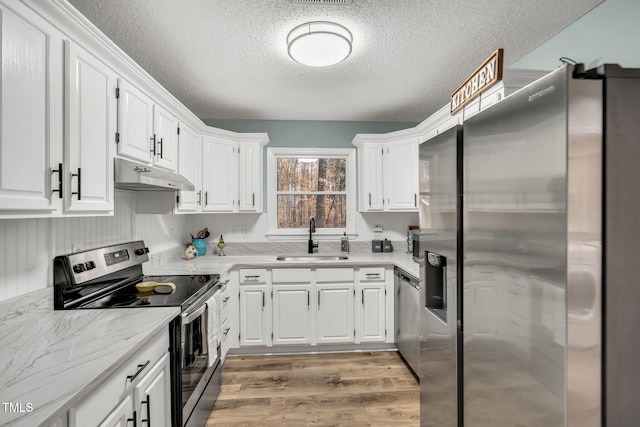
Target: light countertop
214	264
52	358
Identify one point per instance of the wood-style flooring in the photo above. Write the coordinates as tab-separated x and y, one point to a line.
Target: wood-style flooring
336	389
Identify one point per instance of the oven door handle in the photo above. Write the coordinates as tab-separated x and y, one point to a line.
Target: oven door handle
193	315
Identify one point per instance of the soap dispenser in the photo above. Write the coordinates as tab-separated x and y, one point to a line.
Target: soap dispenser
344	243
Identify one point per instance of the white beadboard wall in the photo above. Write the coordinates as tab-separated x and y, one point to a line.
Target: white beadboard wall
29	245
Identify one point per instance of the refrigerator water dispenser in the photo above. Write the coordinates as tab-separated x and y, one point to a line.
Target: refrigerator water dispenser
436	285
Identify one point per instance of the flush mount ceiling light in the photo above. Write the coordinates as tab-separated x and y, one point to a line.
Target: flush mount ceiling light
319	43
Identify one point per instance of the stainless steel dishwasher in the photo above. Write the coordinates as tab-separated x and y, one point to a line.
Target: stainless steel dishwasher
407	317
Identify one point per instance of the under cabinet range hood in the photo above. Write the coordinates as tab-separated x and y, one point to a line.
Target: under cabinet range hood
130	175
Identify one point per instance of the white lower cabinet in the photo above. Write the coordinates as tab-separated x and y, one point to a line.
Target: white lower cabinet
255	324
137	392
374	309
292	314
152	396
335	313
314	306
229	312
371	325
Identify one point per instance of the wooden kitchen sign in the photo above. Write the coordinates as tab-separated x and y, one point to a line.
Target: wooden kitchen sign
482	79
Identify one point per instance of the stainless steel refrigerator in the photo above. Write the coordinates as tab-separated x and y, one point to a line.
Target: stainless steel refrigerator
529	288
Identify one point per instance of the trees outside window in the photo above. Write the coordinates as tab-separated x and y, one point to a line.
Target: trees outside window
311	184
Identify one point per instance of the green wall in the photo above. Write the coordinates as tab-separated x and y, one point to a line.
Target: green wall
311	134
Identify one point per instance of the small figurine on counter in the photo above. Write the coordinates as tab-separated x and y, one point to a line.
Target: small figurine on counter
190	252
221	246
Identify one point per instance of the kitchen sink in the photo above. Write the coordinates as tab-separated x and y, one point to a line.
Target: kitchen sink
312	257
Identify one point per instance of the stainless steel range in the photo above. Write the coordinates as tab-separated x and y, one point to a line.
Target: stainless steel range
111	277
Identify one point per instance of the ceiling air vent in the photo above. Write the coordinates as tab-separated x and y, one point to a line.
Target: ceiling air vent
336	2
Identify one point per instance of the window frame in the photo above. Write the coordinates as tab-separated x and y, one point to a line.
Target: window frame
273	153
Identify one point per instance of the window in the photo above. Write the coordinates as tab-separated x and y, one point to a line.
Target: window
311	183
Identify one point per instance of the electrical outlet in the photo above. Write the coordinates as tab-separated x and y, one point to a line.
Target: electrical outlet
377	228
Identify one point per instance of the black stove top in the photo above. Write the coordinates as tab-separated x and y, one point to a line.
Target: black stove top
188	288
107	277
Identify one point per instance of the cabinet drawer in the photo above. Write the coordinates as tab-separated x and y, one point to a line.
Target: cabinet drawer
325	275
107	397
291	275
371	274
226	330
253	275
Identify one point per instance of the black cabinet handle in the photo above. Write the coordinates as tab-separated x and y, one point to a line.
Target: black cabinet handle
253	200
134	419
415	200
138	372
59	172
153	144
308	299
226	331
362	296
148	403
79	192
206	198
262	299
161	147
200	198
369	199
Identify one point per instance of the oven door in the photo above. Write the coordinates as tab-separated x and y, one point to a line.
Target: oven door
195	369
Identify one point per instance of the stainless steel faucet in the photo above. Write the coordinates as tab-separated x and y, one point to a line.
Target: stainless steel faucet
312	246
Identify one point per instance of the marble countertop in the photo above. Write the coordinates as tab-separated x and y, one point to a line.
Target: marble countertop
52	358
214	264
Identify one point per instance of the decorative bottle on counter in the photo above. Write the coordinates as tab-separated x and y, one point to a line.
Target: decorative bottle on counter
344	243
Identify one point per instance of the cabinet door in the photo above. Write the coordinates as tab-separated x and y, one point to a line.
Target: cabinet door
165	130
30	112
401	175
371	314
254	329
91	128
292	314
152	395
250	177
121	416
135	122
335	313
371	179
219	175
189	166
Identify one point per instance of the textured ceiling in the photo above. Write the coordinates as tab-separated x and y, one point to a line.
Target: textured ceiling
227	59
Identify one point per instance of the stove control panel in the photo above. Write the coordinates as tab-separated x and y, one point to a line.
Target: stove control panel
117	257
95	263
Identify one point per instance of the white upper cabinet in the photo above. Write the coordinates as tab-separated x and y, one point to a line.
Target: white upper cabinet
388	174
135	122
31	113
165	138
90	130
228	177
190	167
400	166
371	177
219	174
146	131
250	177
